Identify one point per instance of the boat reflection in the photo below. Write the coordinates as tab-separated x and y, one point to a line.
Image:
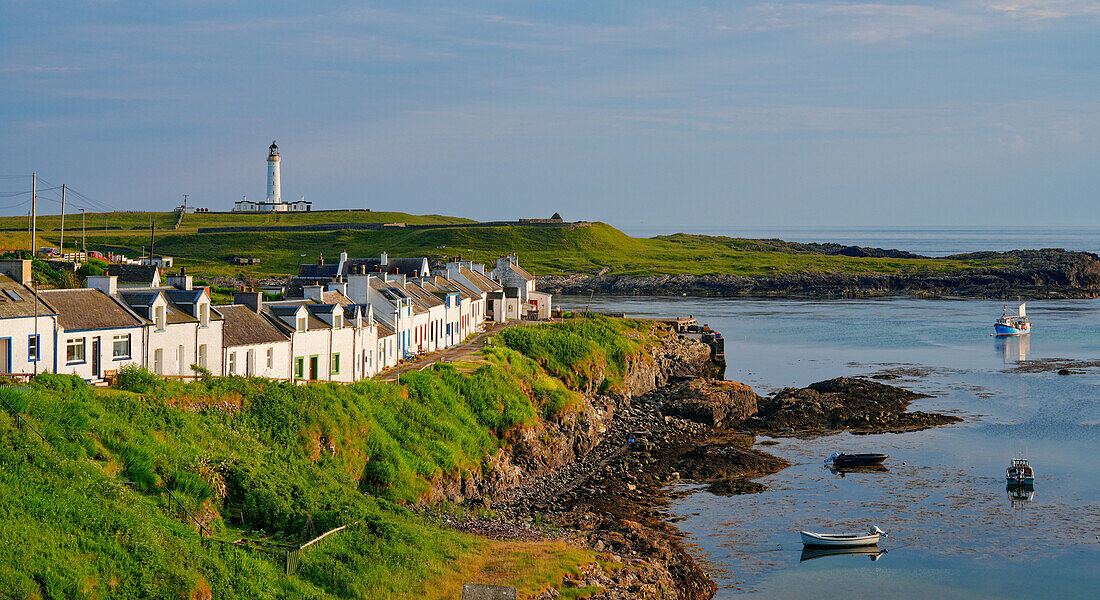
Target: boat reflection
812	552
1020	496
1013	349
842	471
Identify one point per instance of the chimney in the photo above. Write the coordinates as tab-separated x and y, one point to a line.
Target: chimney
312	292
321	259
253	300
19	270
108	284
183	281
385	259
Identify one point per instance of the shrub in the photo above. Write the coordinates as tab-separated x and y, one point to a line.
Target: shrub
134	378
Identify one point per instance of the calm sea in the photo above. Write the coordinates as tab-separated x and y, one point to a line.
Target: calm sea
929	241
955	532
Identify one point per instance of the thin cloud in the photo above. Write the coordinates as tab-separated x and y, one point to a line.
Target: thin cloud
1047	9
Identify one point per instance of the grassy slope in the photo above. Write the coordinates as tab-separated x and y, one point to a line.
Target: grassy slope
542	250
334	454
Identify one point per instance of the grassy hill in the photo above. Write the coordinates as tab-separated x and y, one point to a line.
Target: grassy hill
543	250
85	477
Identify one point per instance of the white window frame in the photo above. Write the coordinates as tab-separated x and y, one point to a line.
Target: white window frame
232	363
337	321
73	348
115	340
202	356
158	361
204	315
270	358
160	318
301	324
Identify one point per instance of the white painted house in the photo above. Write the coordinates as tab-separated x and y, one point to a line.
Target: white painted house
27	323
252	345
95	333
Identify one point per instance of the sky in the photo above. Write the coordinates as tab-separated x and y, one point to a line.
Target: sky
683	116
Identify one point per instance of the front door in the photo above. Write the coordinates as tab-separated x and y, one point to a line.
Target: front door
313	368
95	357
5	356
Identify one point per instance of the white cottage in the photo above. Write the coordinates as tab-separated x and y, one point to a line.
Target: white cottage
27	323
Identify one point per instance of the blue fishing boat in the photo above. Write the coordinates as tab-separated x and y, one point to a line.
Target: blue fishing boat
1013	325
1020	474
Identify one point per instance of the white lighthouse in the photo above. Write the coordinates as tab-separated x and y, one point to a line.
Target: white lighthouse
274	201
274	188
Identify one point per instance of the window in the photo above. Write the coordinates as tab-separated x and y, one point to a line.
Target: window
337	321
299	367
204	315
202	355
158	361
232	363
335	364
121	346
74	350
159	318
32	348
270	358
301	324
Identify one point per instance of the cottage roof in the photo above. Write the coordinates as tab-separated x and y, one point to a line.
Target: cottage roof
86	309
521	272
135	274
336	297
318	272
244	327
482	282
383	331
403	266
16	300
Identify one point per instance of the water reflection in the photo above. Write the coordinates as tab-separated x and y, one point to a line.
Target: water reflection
1020	496
842	471
810	552
1012	348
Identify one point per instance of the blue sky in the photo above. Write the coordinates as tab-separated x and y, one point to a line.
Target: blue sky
677	115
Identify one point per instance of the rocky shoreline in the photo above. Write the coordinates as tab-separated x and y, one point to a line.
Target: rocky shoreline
602	477
1037	274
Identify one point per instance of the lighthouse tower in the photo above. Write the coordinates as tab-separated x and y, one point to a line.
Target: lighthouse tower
274	192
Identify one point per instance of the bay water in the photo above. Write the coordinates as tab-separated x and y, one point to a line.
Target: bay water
955	531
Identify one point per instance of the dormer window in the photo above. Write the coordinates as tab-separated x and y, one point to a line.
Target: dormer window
160	319
337	321
204	315
301	324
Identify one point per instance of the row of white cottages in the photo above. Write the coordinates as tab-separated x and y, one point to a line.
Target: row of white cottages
346	328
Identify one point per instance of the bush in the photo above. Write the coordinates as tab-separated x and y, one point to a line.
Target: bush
134	378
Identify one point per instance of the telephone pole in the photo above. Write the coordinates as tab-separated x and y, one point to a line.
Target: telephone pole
62	244
34	212
83	235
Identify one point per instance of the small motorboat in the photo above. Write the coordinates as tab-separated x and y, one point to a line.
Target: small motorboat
867	459
1013	325
810	538
1020	474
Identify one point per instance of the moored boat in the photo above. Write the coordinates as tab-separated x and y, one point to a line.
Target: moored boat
865	459
1013	325
810	538
1020	473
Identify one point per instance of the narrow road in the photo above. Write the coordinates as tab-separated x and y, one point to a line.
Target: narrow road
453	353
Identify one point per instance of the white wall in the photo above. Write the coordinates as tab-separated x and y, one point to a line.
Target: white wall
18	331
108	362
280	367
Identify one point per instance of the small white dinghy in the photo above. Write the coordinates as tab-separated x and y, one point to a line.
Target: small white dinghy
870	538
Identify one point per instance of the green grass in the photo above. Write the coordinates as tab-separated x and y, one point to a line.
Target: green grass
290	455
543	250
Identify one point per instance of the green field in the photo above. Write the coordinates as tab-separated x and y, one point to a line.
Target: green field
543	250
85	477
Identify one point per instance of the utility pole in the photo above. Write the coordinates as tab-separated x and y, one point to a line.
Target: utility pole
37	338
152	236
62	244
83	235
34	212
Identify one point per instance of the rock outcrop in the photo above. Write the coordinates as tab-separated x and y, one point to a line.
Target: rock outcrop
716	403
859	405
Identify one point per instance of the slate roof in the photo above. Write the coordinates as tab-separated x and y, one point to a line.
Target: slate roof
135	274
244	327
522	272
383	331
319	272
86	309
403	266
482	282
16	300
336	297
